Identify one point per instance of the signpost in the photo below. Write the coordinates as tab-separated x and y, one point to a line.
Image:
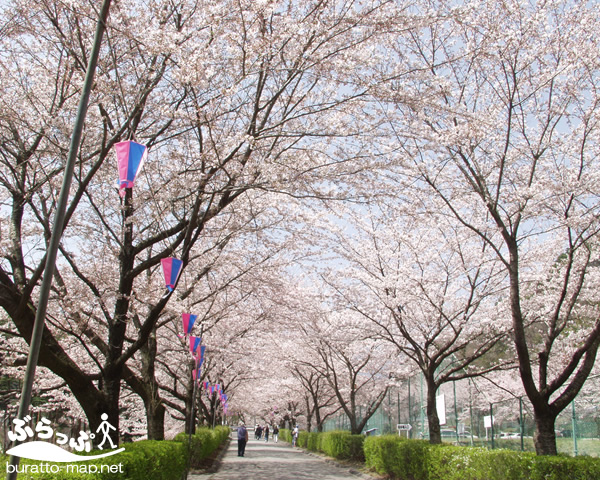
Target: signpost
404	427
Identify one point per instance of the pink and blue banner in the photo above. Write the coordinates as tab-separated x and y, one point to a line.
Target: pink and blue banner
188	322
130	158
200	355
171	270
194	343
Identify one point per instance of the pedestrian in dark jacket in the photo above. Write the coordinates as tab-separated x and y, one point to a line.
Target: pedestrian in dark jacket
242	434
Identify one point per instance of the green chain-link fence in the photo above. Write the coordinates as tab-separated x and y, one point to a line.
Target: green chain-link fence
468	412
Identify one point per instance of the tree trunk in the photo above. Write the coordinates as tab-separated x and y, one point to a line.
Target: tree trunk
309	412
435	435
318	420
112	392
113	368
155	419
545	435
155	410
190	425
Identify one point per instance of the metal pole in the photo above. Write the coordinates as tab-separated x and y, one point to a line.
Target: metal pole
492	422
521	426
192	419
409	433
471	417
422	411
57	229
455	412
574	423
398	406
389	414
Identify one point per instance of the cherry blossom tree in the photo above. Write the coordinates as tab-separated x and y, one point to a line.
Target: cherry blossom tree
427	287
357	368
227	97
320	400
506	138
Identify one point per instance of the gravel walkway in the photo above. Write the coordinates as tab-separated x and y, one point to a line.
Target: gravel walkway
277	461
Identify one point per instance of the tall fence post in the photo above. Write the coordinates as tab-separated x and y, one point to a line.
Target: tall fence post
521	426
455	412
409	434
492	423
399	420
389	409
574	423
422	411
471	412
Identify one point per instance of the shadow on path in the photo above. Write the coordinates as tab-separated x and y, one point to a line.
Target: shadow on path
277	461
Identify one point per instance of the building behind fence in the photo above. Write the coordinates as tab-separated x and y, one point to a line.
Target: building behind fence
468	418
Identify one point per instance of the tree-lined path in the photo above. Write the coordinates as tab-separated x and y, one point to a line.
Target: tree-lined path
276	460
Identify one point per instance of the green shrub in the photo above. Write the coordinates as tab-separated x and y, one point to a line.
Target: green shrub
400	458
453	463
355	447
285	435
565	468
155	459
144	460
342	445
313	442
462	463
302	439
203	443
418	460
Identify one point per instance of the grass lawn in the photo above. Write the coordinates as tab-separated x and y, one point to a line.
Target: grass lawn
585	446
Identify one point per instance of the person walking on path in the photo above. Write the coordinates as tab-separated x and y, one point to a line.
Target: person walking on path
295	436
275	433
266	434
242	435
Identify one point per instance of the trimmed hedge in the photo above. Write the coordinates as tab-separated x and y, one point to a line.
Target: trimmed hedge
143	460
447	462
314	442
343	445
204	443
418	460
406	460
155	459
285	434
337	444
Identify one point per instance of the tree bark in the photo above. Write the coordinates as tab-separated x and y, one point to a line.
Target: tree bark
309	413
545	435
155	410
435	435
155	418
318	420
112	391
